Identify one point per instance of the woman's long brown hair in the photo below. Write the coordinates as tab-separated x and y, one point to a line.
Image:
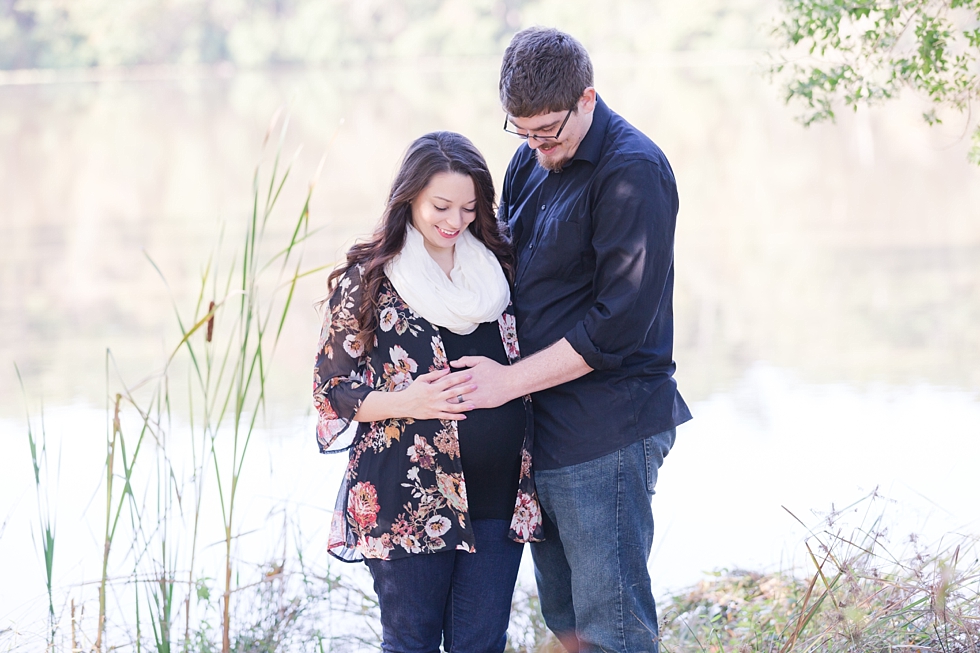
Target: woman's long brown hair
426	157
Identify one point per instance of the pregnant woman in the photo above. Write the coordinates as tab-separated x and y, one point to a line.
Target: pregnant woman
437	497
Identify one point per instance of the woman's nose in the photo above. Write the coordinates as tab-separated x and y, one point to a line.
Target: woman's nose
455	219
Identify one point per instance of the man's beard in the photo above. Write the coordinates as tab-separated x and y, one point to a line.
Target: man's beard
551	165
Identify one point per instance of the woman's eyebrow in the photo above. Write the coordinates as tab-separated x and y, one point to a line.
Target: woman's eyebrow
437	197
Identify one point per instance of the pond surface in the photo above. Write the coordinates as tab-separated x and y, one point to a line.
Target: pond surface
827	292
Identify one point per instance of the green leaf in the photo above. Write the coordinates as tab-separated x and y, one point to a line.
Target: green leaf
973	37
864	51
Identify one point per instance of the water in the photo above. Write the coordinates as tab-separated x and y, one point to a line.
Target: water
827	297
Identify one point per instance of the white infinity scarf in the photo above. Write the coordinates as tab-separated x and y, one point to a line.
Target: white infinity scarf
475	291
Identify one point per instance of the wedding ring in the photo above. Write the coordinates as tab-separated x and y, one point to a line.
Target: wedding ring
459	399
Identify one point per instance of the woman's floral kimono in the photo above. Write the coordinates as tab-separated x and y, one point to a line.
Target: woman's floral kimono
404	491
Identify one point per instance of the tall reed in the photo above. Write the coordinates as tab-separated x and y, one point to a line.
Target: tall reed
227	346
46	512
154	501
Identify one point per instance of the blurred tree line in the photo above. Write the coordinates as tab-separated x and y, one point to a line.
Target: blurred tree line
70	33
83	33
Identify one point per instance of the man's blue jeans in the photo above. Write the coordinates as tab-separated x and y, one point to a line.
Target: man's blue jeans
459	599
591	569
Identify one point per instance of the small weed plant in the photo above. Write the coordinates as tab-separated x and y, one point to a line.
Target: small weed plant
857	597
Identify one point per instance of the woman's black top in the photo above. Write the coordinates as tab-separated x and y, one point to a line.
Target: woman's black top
490	439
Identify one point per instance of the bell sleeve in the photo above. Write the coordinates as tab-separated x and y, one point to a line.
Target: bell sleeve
341	377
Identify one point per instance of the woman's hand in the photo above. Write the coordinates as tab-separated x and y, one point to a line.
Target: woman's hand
434	395
437	395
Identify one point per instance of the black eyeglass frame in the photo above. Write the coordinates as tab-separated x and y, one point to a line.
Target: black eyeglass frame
535	136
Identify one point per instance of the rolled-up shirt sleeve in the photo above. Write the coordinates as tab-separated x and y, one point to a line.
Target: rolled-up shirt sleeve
634	214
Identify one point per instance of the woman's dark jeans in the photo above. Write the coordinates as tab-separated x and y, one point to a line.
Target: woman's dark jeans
461	599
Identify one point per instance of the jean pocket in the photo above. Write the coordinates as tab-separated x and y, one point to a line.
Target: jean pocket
655	449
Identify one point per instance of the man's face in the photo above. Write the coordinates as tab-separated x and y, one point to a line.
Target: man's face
552	153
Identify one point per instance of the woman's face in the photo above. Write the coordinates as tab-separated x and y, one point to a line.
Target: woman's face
443	210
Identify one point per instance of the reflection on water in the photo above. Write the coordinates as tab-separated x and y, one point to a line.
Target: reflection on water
828	280
848	253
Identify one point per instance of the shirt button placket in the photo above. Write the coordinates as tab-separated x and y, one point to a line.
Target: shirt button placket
530	245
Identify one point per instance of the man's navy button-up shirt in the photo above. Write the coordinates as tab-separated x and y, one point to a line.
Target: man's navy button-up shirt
595	253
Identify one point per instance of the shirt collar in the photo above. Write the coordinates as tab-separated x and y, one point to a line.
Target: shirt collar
590	148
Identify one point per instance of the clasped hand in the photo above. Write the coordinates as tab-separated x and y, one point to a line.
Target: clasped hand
436	395
490	381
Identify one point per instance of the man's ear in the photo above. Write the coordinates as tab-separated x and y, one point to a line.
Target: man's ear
586	103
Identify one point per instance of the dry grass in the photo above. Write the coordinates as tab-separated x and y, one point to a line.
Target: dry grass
857	598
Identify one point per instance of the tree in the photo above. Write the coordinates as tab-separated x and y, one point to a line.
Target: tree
866	51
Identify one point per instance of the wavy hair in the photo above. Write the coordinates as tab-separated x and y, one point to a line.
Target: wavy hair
428	156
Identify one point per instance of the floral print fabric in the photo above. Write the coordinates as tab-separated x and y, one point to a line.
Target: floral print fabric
403	492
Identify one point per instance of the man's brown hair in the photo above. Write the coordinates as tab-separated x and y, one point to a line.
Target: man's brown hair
543	70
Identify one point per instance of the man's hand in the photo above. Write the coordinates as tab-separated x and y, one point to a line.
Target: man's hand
491	380
497	384
436	395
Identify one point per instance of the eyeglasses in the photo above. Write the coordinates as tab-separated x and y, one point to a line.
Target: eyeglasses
527	135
